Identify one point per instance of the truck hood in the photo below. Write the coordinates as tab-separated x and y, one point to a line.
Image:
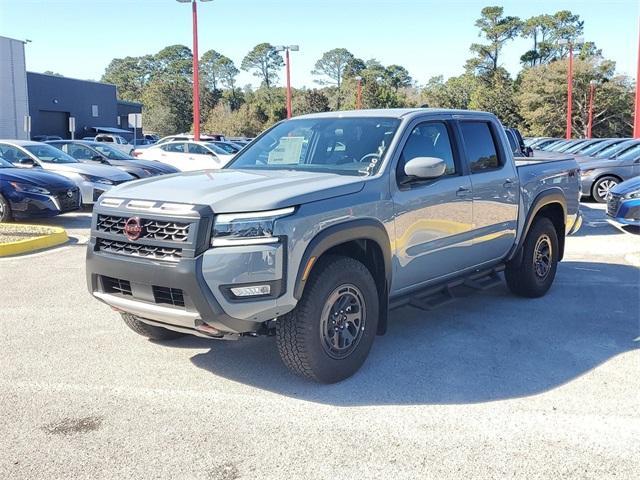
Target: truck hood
232	191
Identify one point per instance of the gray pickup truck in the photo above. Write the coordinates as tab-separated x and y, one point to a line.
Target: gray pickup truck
323	224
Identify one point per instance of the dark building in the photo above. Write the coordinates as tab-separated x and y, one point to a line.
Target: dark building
54	99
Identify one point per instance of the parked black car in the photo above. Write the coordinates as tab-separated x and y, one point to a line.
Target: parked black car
104	153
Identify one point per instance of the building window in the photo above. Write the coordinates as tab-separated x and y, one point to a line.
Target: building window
94	110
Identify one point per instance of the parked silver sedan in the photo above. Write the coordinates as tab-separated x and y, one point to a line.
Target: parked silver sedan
93	180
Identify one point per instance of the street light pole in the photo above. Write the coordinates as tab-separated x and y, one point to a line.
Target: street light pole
570	45
636	117
286	48
359	94
196	68
592	91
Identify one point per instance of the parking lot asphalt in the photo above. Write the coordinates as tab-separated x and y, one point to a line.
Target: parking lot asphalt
489	386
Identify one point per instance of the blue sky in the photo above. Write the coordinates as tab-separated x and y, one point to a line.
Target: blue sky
78	38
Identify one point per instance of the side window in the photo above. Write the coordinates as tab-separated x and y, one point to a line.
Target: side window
175	147
480	146
11	154
79	152
198	149
429	139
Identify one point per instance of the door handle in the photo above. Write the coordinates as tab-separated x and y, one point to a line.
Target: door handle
508	183
462	192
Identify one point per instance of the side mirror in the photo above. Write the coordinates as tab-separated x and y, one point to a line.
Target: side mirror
28	162
212	154
425	167
98	158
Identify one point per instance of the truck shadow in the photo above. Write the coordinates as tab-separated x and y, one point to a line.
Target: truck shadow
483	347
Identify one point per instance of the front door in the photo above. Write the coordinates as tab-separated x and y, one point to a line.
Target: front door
433	219
203	159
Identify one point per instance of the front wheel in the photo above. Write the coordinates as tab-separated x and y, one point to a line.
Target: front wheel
602	187
329	334
534	275
5	210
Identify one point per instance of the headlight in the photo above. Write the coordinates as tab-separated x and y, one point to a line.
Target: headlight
586	173
25	187
94	179
253	228
631	195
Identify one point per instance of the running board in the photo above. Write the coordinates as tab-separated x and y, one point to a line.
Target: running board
436	296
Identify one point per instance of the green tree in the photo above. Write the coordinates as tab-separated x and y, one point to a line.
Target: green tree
265	62
168	106
497	30
497	95
331	67
455	93
130	75
397	76
546	31
174	60
310	101
218	70
542	99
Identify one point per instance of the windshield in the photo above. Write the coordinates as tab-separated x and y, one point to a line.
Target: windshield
217	149
226	147
5	164
612	150
110	152
49	154
631	154
351	146
595	148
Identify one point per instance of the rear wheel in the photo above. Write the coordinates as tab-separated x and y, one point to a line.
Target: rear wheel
329	334
5	210
602	187
534	275
149	331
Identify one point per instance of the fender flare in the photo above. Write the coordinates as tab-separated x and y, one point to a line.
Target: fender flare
542	200
361	229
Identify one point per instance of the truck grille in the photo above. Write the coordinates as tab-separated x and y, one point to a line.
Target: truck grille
134	249
151	229
115	285
168	296
612	205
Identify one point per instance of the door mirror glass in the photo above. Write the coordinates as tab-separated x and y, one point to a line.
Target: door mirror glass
27	162
425	167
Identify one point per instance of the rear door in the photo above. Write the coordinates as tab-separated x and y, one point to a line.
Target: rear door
433	219
202	158
495	184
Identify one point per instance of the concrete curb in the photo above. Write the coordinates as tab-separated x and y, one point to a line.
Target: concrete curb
58	236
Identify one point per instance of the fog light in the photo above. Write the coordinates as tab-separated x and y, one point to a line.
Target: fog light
251	291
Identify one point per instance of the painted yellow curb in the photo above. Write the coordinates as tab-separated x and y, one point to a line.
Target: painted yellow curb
58	236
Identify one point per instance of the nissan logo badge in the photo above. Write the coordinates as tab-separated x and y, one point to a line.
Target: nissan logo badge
69	193
132	228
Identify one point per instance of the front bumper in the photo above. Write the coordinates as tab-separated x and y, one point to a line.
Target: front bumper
36	205
190	291
624	211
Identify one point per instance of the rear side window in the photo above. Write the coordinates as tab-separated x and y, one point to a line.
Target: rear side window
480	146
175	147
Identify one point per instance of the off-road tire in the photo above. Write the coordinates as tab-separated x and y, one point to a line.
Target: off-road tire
5	210
299	333
596	186
149	331
522	279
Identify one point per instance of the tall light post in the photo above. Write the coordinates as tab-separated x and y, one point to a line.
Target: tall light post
570	45
636	117
359	94
286	48
196	67
592	92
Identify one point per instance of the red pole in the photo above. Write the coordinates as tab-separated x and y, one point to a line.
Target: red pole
569	92
359	95
196	77
636	118
288	84
592	91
